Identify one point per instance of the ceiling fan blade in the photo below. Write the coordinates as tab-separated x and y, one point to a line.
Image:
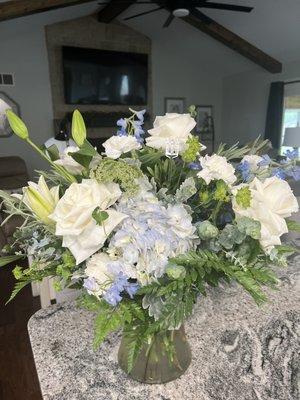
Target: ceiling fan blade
143	13
223	6
168	21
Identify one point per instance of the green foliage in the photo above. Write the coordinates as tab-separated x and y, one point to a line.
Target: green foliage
250	227
230	236
18	287
186	190
243	197
235	152
9	259
99	216
206	230
118	171
293	225
149	157
167	174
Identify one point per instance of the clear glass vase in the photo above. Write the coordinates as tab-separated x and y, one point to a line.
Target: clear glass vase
154	364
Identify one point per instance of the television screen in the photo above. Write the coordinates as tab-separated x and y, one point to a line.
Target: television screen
104	77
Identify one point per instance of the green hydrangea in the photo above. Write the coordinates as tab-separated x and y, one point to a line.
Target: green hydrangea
243	197
206	230
118	171
192	150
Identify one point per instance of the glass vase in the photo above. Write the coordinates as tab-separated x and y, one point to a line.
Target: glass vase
164	359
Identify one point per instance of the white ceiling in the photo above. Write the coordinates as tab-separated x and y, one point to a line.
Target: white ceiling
273	26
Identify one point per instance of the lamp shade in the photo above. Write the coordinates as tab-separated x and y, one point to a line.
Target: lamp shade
292	137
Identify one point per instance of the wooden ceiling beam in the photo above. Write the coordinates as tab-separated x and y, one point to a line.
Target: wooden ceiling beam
228	38
113	10
20	8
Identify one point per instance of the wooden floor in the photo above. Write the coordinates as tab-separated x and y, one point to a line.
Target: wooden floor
18	378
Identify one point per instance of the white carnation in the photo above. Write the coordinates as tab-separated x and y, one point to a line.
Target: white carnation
216	167
118	145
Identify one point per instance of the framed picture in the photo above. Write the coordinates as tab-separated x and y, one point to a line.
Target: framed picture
204	118
175	105
6	103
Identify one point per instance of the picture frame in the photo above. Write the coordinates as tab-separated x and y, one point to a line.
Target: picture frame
175	105
204	118
6	103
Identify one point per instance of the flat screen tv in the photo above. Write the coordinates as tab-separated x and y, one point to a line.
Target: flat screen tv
104	77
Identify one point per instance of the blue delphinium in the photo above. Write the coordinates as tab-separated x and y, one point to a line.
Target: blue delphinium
294	173
138	130
91	284
266	160
195	166
244	168
122	123
292	154
140	115
279	172
121	284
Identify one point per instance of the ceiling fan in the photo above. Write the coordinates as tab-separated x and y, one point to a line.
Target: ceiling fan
183	8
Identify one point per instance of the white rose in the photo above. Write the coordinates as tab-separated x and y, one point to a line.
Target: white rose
216	167
171	127
117	145
74	221
271	202
97	268
68	162
253	161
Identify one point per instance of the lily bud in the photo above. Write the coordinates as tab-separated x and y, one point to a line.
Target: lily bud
40	199
78	128
17	125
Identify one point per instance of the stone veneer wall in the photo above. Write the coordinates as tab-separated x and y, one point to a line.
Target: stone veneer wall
88	32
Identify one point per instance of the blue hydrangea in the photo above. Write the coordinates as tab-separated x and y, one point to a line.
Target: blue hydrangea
244	168
91	284
266	160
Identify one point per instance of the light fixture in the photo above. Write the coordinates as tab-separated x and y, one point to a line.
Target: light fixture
181	12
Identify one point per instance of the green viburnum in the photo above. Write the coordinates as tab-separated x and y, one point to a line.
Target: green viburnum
18	272
243	197
192	150
206	230
221	192
204	196
118	171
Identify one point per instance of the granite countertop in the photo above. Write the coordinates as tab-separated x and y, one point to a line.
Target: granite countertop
240	351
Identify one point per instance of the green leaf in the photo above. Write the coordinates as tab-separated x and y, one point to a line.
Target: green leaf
82	159
78	128
293	225
99	215
18	287
87	149
106	322
9	259
53	152
284	248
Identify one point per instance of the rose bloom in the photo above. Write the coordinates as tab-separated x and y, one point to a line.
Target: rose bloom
97	268
272	201
117	145
216	167
168	128
68	162
74	221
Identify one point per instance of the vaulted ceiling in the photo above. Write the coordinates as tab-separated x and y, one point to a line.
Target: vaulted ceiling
271	27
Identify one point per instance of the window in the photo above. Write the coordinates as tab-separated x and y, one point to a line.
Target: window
291	112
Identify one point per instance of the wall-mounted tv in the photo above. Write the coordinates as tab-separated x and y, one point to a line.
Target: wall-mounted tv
94	76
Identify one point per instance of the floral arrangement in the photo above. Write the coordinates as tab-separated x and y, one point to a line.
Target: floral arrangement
144	228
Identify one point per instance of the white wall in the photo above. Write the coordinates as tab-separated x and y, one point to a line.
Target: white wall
245	100
183	66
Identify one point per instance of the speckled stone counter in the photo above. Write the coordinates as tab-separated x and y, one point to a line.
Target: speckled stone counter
240	351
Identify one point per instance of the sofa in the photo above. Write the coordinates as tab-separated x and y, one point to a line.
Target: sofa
13	176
